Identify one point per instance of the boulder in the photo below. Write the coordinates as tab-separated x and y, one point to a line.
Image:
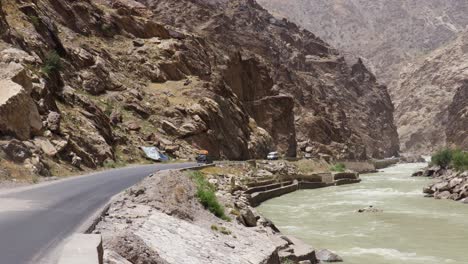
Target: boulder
135	107
36	166
441	186
19	116
169	128
249	218
428	190
116	117
454	182
171	149
442	195
297	251
370	209
326	255
53	121
76	160
46	146
309	149
132	125
431	171
16	151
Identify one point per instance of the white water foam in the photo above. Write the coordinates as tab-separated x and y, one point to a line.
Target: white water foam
379	192
394	254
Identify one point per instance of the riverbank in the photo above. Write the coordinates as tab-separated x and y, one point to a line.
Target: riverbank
398	234
448	184
161	221
166	204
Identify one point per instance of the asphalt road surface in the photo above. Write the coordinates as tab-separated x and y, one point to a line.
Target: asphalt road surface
35	220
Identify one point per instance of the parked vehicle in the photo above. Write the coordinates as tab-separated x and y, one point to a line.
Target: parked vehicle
204	157
273	156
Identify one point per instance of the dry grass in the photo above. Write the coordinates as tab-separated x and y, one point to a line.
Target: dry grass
311	166
235	170
17	172
179	193
174	91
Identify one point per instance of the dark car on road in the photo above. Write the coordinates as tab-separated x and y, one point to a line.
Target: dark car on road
204	158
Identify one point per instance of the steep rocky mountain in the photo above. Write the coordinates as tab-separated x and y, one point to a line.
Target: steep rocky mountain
386	33
390	35
427	106
85	83
457	125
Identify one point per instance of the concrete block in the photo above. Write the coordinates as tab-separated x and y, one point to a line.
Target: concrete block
345	175
326	177
83	249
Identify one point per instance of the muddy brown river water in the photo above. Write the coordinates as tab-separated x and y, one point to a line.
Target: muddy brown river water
411	229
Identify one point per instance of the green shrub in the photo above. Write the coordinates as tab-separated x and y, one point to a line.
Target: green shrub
451	158
52	63
286	261
206	194
442	158
460	160
339	167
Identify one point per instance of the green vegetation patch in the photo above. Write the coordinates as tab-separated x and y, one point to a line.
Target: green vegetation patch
339	167
223	230
52	63
455	158
206	194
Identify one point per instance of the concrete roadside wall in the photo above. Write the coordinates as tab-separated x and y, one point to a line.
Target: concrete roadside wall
83	249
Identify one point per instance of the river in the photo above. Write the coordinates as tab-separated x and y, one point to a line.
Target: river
411	229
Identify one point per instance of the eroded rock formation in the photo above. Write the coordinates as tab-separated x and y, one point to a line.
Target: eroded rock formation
390	35
109	76
426	92
386	33
457	125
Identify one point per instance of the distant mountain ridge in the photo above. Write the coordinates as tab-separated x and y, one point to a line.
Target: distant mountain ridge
384	32
413	46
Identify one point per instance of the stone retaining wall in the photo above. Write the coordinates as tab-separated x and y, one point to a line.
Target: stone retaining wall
380	164
261	194
267	187
259	197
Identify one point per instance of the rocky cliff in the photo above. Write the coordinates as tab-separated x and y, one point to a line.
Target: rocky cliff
457	125
427	90
102	78
390	35
386	33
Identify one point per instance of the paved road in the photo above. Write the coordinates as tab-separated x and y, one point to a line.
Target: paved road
35	220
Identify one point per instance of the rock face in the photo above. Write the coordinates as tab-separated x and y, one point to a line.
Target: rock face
19	116
386	33
390	34
457	125
330	98
427	109
218	75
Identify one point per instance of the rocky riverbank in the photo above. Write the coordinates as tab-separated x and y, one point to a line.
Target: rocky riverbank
161	220
449	184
